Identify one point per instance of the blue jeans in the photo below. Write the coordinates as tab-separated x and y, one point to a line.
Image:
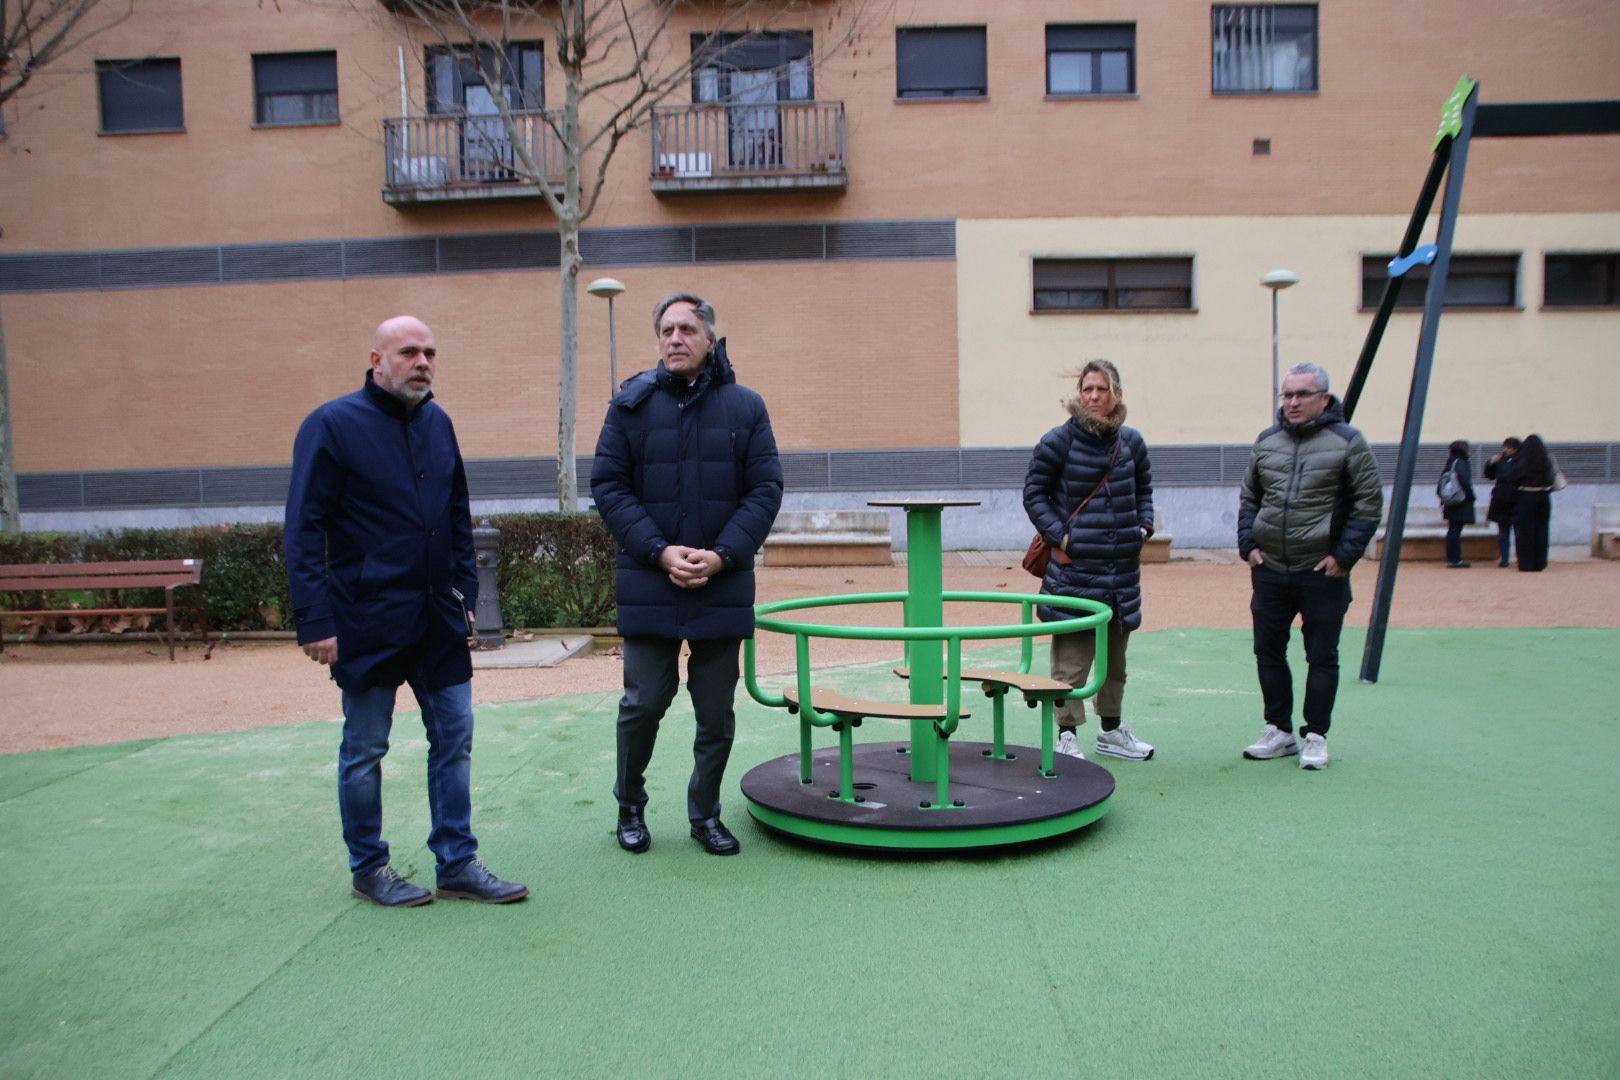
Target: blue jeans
367	718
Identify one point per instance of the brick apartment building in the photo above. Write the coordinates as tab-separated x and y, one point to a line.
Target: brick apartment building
907	237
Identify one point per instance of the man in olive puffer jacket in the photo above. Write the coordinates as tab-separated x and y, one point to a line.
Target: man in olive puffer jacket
1310	503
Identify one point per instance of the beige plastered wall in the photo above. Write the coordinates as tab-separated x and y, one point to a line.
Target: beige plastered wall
1205	376
210	376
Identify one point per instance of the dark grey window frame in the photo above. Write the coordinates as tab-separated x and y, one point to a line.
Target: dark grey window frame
1067	284
1608	265
923	72
1218	11
527	93
292	83
1092	40
1469	274
133	86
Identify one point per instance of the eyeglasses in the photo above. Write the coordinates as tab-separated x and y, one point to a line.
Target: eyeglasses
1300	395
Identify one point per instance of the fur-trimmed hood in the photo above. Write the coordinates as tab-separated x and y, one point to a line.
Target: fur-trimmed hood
1103	427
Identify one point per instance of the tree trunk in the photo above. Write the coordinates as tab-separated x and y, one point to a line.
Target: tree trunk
567	380
10	511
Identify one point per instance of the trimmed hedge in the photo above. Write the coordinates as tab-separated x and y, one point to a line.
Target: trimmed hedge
553	570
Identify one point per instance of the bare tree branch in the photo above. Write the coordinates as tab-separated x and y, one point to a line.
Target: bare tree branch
36	33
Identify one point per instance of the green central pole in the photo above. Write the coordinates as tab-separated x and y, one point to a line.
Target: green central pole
924	607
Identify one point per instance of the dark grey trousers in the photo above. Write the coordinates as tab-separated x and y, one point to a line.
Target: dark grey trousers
651	678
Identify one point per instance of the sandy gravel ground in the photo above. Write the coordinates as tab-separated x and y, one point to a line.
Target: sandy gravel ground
63	695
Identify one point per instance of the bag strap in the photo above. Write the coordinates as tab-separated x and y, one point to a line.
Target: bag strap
1114	457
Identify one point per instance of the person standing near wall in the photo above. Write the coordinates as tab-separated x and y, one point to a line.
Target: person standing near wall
1503	469
1461	512
1089	491
1532	516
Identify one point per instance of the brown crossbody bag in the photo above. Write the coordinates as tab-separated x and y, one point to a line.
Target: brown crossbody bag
1041	551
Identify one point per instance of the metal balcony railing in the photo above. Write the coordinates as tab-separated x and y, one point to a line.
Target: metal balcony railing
453	157
733	147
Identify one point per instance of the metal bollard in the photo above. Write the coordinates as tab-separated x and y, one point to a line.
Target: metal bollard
486	548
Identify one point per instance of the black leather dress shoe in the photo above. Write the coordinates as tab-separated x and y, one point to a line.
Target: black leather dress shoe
632	830
715	837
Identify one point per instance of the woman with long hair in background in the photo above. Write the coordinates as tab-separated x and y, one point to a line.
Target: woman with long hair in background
1534	509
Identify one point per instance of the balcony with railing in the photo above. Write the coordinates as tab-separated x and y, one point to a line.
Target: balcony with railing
763	146
467	158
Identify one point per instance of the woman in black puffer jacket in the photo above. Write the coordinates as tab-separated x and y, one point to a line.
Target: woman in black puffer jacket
1098	554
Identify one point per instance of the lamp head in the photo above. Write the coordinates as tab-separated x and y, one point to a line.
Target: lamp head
605	286
1280	279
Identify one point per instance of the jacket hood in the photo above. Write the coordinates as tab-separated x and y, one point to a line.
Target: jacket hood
1103	426
1333	414
717	371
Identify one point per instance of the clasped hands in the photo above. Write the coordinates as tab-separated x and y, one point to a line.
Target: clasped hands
690	568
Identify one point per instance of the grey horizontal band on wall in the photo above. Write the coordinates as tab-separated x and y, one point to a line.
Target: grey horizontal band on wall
804	470
454	253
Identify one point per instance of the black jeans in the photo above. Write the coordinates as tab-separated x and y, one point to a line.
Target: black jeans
1504	539
1454	541
651	679
1321	602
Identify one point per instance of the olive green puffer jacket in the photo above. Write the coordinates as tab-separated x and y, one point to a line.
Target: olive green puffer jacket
1309	492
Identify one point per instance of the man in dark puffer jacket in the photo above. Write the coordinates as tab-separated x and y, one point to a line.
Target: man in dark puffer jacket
1311	501
688	481
1098	553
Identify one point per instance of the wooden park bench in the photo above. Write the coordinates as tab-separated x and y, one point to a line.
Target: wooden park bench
1605	531
829	538
1424	539
167	575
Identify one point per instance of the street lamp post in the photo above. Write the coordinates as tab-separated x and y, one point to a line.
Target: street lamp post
609	287
1276	281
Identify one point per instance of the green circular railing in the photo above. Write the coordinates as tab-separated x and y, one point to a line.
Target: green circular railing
1096	617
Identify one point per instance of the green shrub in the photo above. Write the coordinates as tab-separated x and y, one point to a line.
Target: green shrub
553	570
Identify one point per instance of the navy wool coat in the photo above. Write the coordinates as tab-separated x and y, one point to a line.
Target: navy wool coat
378	534
690	465
1105	539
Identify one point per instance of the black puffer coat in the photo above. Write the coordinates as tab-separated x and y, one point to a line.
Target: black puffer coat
1463	511
1105	539
1505	492
690	465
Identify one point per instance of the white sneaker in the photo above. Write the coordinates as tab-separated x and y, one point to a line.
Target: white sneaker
1122	744
1315	754
1067	744
1272	743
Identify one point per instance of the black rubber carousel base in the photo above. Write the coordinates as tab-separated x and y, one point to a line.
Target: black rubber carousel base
1002	802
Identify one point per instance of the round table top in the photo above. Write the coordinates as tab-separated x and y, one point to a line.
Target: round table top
922	504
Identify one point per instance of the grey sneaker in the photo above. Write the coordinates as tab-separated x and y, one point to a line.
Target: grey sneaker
1068	744
384	887
1272	743
1121	743
473	881
1315	754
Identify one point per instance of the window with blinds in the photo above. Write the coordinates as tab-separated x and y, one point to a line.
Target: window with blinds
139	96
295	88
1472	281
1264	48
1582	279
940	61
1147	284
